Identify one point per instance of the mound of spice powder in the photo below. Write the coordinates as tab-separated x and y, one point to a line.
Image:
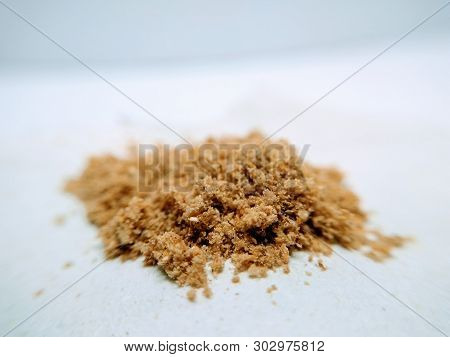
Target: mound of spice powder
251	201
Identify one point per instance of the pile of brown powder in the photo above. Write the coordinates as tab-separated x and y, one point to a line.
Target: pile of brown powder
253	206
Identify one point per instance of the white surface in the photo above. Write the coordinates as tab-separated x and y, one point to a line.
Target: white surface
388	128
157	30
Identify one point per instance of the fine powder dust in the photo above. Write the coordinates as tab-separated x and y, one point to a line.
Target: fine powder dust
252	206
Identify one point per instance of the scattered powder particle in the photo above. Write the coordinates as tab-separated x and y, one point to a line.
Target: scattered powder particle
252	207
67	265
274	303
307	283
207	293
321	265
308	273
38	293
271	289
236	279
191	295
59	220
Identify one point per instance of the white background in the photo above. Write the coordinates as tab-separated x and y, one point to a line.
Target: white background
387	128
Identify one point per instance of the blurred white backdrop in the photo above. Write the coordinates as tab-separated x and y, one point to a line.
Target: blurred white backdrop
142	32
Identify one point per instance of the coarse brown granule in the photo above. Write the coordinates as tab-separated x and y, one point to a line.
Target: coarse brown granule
67	265
236	279
253	208
271	289
321	265
38	293
191	295
207	292
59	220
